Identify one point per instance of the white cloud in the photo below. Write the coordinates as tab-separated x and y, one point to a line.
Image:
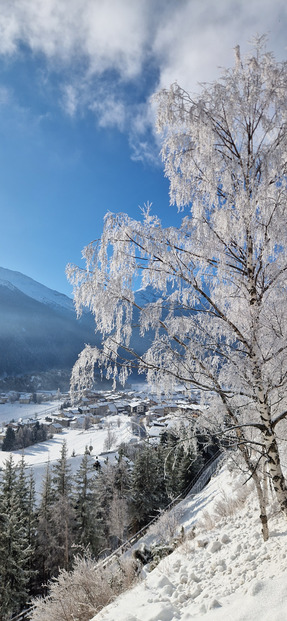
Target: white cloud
92	40
193	41
186	39
109	35
70	99
110	112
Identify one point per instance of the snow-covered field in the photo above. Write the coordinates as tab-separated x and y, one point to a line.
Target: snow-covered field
16	410
225	573
38	455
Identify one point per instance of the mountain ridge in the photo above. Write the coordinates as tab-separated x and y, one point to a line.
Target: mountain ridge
39	329
34	289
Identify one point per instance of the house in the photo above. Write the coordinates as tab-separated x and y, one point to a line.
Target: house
78	422
73	412
55	427
100	408
122	406
137	406
25	398
84	409
113	409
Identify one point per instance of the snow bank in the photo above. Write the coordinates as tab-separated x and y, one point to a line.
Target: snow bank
224	573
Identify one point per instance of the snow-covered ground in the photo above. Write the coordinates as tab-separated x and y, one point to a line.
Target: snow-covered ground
225	573
16	410
38	455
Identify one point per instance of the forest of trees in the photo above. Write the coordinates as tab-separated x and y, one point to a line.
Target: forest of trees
92	511
24	435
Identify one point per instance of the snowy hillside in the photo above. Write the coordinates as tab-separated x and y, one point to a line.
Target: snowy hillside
225	573
39	330
34	289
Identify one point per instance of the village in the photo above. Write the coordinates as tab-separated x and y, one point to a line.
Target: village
148	413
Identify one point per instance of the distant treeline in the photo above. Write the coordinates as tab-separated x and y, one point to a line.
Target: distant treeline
24	435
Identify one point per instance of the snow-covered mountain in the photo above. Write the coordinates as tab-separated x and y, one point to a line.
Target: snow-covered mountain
34	289
39	329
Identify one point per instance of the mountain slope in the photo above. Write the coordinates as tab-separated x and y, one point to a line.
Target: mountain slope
34	289
38	327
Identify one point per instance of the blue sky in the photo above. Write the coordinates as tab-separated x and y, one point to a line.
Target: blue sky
76	120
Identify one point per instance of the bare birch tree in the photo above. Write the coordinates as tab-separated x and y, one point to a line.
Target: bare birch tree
218	321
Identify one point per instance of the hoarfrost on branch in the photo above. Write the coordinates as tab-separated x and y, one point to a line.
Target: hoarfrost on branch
217	319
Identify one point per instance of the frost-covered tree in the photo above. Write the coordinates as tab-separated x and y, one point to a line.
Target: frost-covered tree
219	320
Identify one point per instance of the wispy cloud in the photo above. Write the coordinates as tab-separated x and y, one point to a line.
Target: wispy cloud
102	48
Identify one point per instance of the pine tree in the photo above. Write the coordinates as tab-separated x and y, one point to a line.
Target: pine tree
119	506
105	484
148	487
9	440
55	535
25	490
45	540
89	528
62	478
171	454
15	550
62	518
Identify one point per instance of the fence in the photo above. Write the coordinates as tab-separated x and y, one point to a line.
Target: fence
194	487
24	615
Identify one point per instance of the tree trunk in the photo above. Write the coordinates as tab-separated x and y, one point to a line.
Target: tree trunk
262	504
272	451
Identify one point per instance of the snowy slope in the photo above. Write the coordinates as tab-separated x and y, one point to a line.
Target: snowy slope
34	289
226	573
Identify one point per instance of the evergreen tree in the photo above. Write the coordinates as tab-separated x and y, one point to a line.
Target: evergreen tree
45	540
9	440
55	534
15	550
25	489
89	531
171	454
189	465
148	487
105	484
119	506
62	515
62	478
